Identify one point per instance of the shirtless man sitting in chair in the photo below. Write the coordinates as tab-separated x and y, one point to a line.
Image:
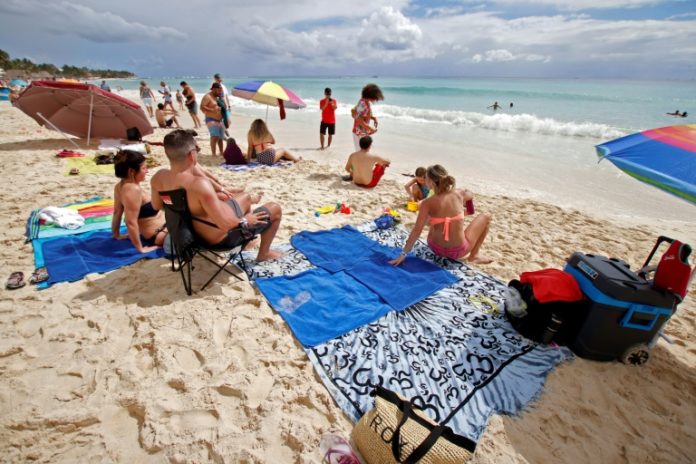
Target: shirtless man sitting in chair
204	202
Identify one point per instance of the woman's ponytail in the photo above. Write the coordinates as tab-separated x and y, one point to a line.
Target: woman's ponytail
441	179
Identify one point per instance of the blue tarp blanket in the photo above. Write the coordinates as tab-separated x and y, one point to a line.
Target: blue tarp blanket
454	354
335	302
72	257
334	249
346	249
254	165
310	301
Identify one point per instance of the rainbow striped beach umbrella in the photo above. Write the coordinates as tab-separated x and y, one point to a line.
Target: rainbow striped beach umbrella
268	93
664	158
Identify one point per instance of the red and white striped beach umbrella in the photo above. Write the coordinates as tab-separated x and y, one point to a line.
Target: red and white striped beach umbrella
82	110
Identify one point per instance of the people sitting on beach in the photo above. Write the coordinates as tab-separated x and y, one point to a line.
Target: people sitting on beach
416	188
161	115
365	168
231	220
260	145
495	106
445	212
145	224
233	154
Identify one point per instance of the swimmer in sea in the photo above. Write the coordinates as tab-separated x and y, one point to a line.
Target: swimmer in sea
495	106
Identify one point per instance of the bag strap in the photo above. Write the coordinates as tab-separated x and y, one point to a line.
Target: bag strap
425	446
422	449
406	411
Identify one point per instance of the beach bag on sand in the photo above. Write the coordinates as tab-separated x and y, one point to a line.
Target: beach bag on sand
394	431
553	304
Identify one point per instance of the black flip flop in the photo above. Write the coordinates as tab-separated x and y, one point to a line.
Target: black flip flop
39	275
15	281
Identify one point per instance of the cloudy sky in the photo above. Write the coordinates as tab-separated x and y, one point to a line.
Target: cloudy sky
643	39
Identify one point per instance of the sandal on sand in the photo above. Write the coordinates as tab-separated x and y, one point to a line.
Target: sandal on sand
15	281
39	275
74	171
336	450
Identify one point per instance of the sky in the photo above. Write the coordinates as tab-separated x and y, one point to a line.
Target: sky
618	39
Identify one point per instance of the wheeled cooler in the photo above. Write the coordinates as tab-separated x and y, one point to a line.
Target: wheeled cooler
623	312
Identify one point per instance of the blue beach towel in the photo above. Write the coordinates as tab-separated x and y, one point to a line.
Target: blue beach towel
400	286
72	257
319	306
334	249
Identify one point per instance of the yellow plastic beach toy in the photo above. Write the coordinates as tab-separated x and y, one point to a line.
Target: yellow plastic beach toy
325	209
412	206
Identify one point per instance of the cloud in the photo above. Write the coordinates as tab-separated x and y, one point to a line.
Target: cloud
67	18
389	29
501	55
385	35
578	5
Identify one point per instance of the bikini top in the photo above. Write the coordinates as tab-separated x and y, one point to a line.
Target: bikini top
146	211
446	221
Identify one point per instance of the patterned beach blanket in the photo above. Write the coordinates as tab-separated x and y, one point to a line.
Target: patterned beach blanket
454	354
254	165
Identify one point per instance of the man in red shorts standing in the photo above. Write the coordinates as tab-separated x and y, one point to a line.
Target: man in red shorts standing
328	117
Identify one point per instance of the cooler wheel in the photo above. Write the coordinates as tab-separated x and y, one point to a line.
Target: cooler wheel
636	355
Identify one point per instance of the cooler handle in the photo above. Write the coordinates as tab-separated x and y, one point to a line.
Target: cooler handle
641	309
660	239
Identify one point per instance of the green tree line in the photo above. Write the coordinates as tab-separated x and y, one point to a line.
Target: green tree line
28	66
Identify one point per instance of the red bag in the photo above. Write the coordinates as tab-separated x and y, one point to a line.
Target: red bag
673	271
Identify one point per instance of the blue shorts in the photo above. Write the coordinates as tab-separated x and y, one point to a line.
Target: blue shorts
215	128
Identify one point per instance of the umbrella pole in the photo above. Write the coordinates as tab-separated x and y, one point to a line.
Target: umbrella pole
89	122
58	130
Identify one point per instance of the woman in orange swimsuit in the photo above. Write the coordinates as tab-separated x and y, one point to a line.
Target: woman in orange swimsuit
445	212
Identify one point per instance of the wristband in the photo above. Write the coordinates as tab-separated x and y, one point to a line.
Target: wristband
243	223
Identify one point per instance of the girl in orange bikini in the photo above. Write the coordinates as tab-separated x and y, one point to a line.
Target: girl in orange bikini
445	212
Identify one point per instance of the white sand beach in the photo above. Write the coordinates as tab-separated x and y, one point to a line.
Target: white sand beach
125	367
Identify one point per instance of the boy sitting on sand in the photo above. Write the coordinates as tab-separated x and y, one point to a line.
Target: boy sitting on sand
416	188
366	169
161	116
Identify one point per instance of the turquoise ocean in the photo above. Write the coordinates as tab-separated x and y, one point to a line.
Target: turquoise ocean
571	107
542	147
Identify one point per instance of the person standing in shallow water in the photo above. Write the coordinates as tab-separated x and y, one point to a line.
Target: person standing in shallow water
328	117
495	106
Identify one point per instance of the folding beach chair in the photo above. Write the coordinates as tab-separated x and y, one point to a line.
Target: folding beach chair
186	245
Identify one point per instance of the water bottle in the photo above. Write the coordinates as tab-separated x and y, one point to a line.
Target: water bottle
470	207
551	329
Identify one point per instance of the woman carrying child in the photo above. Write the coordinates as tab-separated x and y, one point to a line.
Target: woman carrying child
445	212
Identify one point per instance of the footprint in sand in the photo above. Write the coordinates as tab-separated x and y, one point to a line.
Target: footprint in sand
259	390
189	359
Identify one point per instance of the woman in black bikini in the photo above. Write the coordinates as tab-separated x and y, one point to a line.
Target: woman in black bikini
146	226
